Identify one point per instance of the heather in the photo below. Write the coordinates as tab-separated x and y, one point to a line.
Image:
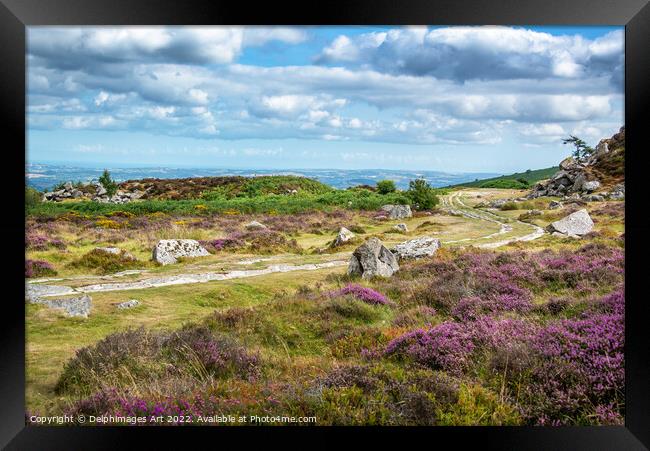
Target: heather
38	268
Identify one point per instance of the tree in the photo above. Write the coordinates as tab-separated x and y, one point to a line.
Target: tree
422	195
108	183
582	150
386	186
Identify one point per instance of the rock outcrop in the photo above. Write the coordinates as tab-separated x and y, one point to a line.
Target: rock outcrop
576	224
398	211
372	259
94	191
585	178
343	237
417	248
167	252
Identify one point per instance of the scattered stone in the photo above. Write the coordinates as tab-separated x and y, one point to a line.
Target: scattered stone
371	259
534	212
78	306
594	198
255	225
401	227
578	223
128	304
419	247
343	236
168	251
398	211
554	204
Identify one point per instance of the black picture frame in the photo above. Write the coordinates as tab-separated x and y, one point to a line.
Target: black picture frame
16	15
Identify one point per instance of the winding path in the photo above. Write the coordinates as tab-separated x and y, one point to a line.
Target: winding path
454	204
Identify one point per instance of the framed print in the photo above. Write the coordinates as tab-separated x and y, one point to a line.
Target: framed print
368	218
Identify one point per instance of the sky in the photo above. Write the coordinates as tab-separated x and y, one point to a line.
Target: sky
453	99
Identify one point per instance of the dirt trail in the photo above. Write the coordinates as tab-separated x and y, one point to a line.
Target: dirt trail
40	290
454	204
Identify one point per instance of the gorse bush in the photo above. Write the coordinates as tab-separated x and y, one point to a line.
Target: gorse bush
386	186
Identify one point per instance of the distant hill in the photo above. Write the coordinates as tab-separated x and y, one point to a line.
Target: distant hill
518	180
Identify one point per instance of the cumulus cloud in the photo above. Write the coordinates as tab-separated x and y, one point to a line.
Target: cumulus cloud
483	53
414	85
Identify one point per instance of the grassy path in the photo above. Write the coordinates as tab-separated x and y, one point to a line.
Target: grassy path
515	230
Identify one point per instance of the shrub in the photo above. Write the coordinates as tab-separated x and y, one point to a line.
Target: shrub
109	224
105	262
509	206
422	195
216	355
386	186
32	196
38	268
41	242
99	365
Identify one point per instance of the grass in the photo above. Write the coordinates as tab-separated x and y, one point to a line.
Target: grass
513	181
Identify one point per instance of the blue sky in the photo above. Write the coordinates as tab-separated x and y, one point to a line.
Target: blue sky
455	99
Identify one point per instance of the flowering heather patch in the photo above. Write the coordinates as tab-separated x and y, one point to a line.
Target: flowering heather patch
447	346
42	242
221	244
580	366
367	295
218	355
38	268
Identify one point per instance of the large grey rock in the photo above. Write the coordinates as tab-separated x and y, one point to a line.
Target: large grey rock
254	225
594	198
419	247
169	251
590	186
100	190
398	211
343	236
372	259
568	164
578	223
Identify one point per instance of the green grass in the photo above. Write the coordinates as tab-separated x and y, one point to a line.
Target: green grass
510	181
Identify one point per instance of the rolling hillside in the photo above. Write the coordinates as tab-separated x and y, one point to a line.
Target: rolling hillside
518	180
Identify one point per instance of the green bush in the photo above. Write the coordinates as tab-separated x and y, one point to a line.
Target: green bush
105	262
422	195
108	183
386	186
32	196
509	206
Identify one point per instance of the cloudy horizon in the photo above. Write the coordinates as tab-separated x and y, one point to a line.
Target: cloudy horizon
452	99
